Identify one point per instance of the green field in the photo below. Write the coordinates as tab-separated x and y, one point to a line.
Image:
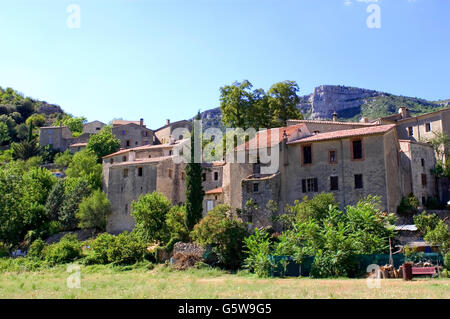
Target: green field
163	282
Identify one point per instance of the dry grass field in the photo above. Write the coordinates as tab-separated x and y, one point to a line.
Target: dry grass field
163	282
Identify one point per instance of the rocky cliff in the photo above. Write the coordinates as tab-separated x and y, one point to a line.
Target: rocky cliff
350	103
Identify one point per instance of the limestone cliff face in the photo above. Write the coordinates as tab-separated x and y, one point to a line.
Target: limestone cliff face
329	98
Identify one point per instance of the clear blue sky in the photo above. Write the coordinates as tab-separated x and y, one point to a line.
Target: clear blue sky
161	59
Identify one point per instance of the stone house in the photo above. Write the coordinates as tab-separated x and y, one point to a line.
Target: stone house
57	137
172	131
93	127
132	134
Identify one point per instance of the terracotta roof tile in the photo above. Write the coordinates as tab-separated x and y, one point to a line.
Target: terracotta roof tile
218	190
279	132
379	129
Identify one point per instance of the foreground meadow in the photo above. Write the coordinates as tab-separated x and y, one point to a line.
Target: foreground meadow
163	282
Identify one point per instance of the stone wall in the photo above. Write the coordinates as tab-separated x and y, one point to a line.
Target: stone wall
135	135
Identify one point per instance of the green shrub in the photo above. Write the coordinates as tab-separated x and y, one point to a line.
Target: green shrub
258	251
65	251
36	249
408	205
98	249
424	221
126	249
432	203
224	233
333	264
447	260
94	210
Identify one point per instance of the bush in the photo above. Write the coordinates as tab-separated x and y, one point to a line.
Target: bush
408	205
36	249
98	249
424	221
93	211
258	251
224	233
150	212
432	203
126	249
66	251
333	264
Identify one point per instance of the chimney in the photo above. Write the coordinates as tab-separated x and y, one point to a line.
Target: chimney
335	116
141	122
167	122
404	112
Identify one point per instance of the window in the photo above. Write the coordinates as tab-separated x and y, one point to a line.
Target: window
128	142
332	157
139	171
358	181
427	127
423	162
334	183
216	176
126	209
424	201
170	153
424	180
307	155
209	205
180	137
124	159
125	172
136	143
204	177
170	173
309	185
410	131
111	161
255	187
357	152
97	128
123	132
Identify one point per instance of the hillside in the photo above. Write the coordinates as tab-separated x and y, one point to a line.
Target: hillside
350	103
15	109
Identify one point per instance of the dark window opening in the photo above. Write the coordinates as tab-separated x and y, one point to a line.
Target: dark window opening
255	187
423	162
307	155
216	176
111	160
333	158
424	179
309	185
334	183
128	142
358	181
204	177
427	127
139	171
125	172
410	131
357	149
124	159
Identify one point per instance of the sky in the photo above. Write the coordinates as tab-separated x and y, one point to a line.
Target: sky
167	59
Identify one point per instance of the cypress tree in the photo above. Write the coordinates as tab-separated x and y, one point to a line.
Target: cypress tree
194	188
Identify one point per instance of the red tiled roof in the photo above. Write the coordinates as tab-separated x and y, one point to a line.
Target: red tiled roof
268	134
332	122
140	161
380	129
218	190
123	122
144	147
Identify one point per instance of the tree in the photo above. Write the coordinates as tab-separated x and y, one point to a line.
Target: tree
103	143
75	124
441	144
26	148
55	200
235	102
150	213
37	119
175	221
283	101
224	233
94	210
63	160
194	188
67	215
4	133
84	165
440	236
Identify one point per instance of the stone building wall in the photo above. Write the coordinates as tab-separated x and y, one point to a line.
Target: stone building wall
132	135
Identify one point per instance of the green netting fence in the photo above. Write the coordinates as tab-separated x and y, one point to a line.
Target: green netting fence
286	266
